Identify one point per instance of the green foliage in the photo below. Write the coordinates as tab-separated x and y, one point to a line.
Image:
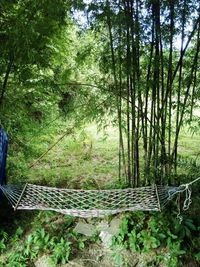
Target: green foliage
185	229
3	239
61	251
118	258
36	243
143	234
197	256
27	27
50	235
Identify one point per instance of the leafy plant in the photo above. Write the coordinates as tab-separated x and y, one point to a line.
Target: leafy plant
184	230
36	242
61	251
152	233
197	256
3	239
118	257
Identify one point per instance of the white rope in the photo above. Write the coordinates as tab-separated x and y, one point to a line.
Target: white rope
188	197
194	181
188	193
179	216
188	200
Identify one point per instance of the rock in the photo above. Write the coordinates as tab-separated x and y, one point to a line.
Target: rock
85	229
108	232
106	238
114	228
102	226
43	261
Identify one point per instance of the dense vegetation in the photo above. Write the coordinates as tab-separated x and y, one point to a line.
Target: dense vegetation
129	67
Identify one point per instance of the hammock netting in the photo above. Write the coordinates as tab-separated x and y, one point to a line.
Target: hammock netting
89	203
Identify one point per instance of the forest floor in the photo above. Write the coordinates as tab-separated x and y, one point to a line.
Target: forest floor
88	160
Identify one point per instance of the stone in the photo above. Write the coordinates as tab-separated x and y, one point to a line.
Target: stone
114	228
85	229
106	238
102	226
109	231
43	261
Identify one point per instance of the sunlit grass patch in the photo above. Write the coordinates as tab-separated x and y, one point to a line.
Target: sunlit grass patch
73	162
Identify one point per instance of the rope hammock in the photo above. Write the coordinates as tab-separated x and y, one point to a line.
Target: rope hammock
94	203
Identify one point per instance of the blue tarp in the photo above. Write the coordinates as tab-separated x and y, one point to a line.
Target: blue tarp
3	155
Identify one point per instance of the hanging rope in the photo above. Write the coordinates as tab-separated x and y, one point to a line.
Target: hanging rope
188	192
188	197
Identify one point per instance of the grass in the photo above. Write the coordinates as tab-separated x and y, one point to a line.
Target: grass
86	158
76	160
189	144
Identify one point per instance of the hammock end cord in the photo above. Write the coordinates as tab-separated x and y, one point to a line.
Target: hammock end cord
188	193
188	197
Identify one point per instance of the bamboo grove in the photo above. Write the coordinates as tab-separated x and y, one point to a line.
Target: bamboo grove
135	61
155	81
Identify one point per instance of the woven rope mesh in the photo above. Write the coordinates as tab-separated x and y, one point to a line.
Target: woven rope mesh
87	203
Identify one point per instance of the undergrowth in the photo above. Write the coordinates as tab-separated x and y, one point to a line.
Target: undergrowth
53	235
172	242
49	234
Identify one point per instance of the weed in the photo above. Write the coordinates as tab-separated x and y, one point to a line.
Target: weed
3	240
144	236
61	251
